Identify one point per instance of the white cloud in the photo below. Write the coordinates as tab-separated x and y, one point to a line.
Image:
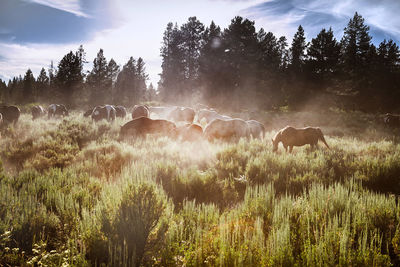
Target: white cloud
18	58
71	6
139	34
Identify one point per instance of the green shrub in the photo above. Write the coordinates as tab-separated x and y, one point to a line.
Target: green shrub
129	225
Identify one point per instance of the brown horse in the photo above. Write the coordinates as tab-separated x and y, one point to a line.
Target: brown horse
140	111
392	120
143	126
290	137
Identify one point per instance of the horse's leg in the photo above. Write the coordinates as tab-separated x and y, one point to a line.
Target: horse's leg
290	149
285	148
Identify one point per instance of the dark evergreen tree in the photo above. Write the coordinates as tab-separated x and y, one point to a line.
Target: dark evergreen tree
69	78
3	91
269	78
270	57
42	86
98	81
386	74
241	60
52	74
28	87
16	87
112	74
172	77
130	86
141	78
126	83
323	58
283	52
298	51
356	57
191	33
211	69
296	89
151	93
355	45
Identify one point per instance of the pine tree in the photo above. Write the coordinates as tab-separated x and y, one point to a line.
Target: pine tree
172	77
298	50
52	74
151	93
42	86
241	59
211	61
270	58
112	74
323	56
355	44
283	52
98	81
130	86
69	78
141	78
28	87
387	75
296	89
191	35
3	91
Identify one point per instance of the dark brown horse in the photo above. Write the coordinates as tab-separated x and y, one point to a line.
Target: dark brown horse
190	132
37	111
10	114
290	137
140	111
142	126
392	120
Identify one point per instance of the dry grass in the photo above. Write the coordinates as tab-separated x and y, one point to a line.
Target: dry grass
215	203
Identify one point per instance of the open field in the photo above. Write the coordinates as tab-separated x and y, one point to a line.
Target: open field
72	194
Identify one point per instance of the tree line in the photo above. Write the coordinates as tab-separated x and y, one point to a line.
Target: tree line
236	67
68	83
242	67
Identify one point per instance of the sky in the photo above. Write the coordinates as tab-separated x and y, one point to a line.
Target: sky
35	32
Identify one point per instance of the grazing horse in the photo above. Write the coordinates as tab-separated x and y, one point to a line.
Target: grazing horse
190	132
10	114
161	112
392	120
182	114
103	112
140	111
290	137
210	115
57	110
256	128
88	112
120	111
226	129
37	111
143	126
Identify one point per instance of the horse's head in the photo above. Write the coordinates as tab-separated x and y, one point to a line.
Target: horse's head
274	144
275	141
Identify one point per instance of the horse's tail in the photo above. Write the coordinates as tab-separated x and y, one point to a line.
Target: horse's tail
322	138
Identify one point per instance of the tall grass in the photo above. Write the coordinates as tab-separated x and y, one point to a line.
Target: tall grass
71	193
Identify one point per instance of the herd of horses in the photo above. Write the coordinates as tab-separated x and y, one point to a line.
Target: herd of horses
185	123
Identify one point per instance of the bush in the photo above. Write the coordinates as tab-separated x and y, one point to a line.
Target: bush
129	226
56	148
106	160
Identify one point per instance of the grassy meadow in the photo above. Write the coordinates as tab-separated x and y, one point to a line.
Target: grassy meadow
73	194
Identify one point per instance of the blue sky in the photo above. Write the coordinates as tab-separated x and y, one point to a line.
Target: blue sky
35	32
